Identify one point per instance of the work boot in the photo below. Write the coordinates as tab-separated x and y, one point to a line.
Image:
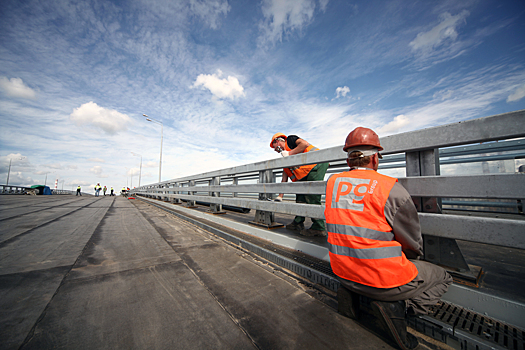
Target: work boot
311	233
295	226
393	322
347	303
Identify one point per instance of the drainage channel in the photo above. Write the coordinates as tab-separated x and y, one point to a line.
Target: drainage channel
466	330
448	323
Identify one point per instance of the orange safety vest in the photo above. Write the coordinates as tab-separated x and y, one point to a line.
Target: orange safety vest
361	242
298	172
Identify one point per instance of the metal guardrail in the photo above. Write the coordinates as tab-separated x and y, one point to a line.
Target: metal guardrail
9	189
421	153
53	191
422	161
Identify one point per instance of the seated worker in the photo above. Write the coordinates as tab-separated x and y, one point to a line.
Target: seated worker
374	240
290	145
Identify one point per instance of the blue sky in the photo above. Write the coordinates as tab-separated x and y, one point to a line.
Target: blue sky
224	76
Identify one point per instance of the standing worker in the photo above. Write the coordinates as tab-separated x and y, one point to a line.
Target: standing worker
78	191
290	145
97	190
123	191
374	240
104	190
111	194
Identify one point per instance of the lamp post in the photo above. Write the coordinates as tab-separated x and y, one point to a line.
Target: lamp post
140	171
161	137
45	181
131	176
9	171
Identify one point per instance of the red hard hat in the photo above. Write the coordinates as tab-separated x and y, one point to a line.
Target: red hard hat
279	134
362	137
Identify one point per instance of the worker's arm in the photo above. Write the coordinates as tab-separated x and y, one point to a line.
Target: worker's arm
301	146
401	215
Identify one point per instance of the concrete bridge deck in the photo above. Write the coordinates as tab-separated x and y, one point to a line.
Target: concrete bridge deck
108	273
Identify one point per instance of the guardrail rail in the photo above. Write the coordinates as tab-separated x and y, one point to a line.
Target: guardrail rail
439	199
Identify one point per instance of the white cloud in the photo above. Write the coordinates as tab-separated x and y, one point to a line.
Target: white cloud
133	172
517	95
109	120
17	161
41	172
150	164
443	94
342	91
220	88
445	30
96	160
77	182
210	10
15	87
53	166
97	170
284	16
395	125
16	178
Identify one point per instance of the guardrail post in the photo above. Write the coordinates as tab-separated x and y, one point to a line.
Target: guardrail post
265	218
191	203
235	181
215	208
166	193
174	200
437	250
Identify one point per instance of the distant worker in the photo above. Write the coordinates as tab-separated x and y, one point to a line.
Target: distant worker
290	145
97	190
123	191
104	190
111	194
373	231
78	191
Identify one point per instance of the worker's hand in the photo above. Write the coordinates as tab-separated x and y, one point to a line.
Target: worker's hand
285	153
278	199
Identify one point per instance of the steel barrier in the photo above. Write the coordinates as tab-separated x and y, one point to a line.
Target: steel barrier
56	191
422	155
9	189
421	151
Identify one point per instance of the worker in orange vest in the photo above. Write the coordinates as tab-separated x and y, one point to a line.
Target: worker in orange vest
375	242
290	145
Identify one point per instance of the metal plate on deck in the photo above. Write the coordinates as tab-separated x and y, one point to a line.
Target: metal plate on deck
468	329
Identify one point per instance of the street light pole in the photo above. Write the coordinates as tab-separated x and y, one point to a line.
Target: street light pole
9	171
161	138
140	171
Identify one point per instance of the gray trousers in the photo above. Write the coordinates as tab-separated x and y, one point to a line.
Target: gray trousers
420	294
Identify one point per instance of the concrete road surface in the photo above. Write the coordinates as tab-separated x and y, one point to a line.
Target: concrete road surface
112	273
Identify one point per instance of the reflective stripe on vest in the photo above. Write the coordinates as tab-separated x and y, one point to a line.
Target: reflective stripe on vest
298	172
370	253
361	243
360	232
